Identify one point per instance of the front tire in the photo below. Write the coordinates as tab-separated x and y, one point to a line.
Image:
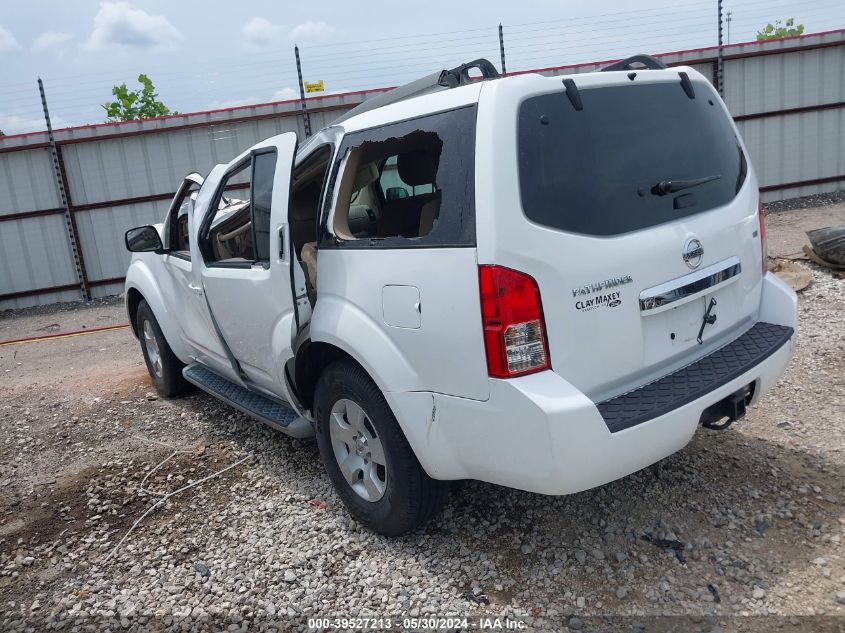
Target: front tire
165	369
368	458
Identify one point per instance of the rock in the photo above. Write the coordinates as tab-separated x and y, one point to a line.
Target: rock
597	554
759	593
622	592
621	556
580	555
575	623
840	597
580	602
290	576
202	569
821	560
526	548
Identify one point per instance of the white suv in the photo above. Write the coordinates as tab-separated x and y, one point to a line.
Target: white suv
542	282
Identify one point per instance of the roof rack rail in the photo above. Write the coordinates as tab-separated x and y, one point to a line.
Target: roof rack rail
441	80
647	61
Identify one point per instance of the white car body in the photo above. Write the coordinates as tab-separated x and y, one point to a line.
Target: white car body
411	317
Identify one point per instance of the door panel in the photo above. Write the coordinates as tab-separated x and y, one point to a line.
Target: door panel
178	286
252	302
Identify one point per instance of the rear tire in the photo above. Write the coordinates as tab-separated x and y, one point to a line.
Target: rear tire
368	458
165	369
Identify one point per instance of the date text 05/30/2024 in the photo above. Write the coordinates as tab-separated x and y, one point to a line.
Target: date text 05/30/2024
418	624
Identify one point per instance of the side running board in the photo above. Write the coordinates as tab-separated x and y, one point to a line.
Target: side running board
274	413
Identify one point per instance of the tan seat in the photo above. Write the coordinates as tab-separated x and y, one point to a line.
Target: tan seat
309	260
413	216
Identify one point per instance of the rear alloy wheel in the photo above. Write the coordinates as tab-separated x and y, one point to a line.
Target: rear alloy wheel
358	450
367	457
165	369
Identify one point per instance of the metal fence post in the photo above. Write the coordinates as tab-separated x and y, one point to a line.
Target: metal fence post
502	49
306	118
70	222
720	62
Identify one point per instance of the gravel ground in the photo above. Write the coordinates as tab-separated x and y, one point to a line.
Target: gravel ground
742	530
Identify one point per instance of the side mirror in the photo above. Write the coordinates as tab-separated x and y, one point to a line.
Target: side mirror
144	239
395	193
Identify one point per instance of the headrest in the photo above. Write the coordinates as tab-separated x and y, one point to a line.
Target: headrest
366	174
417	167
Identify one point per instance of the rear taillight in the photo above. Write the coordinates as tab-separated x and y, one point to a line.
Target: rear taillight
514	328
761	214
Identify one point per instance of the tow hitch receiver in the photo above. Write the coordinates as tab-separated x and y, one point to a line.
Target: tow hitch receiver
732	408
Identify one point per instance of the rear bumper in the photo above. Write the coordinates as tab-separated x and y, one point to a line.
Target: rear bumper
539	433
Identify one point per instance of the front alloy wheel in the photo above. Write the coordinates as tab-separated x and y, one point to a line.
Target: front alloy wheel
164	367
151	346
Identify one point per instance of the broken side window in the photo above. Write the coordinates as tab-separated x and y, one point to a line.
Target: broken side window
405	184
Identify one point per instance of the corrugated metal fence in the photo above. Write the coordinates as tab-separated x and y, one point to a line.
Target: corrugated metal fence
787	96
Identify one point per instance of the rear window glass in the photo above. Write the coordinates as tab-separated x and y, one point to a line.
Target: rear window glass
598	170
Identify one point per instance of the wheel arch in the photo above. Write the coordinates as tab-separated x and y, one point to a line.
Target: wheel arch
312	358
140	286
133	300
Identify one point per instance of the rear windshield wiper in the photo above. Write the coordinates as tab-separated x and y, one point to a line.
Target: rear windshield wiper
665	187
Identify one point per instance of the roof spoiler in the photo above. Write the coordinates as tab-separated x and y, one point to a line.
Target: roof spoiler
441	80
646	61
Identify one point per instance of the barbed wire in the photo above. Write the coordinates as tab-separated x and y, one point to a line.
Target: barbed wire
261	76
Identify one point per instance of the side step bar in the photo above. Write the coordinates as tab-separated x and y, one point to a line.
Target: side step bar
274	413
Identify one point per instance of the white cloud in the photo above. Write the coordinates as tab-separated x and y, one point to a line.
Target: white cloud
232	103
312	32
50	39
7	40
285	94
16	124
261	32
120	25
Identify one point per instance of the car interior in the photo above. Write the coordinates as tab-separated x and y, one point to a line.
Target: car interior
180	241
230	236
303	211
389	189
231	232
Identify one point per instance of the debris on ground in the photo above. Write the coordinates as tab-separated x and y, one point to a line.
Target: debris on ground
814	257
477	598
829	244
673	545
793	273
715	593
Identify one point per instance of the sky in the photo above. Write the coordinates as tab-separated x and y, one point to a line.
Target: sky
216	53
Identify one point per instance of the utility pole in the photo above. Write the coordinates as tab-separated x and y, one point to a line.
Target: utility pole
502	49
70	223
306	118
720	64
728	24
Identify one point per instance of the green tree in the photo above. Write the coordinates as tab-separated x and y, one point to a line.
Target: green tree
131	105
777	30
